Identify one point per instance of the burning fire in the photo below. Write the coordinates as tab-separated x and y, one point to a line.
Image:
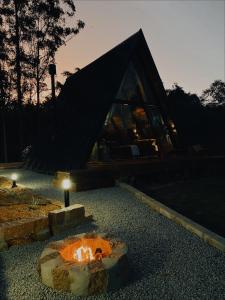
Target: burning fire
84	254
86	250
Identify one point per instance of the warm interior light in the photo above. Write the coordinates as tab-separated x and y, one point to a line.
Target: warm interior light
14	176
66	184
155	145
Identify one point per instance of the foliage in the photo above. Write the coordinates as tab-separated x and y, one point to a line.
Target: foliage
196	123
30	35
186	112
215	94
31	32
66	74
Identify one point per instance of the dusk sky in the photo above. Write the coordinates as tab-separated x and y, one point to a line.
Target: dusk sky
186	38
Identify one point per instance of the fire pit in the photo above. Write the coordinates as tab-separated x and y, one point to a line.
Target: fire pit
84	264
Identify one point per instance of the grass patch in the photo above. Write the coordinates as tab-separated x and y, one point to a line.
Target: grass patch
202	200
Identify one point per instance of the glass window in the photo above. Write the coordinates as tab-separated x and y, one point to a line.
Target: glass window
131	89
132	127
127	130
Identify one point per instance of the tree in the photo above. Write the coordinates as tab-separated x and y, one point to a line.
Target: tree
31	32
16	23
187	113
3	59
15	20
34	32
215	94
69	73
66	74
50	31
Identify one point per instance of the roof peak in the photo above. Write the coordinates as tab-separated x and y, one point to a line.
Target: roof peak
127	40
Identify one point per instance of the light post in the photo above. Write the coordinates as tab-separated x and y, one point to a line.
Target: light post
14	178
66	185
52	72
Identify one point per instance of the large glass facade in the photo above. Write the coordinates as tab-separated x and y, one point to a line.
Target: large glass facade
133	127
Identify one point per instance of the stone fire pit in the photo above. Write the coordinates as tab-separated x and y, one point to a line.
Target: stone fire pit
84	264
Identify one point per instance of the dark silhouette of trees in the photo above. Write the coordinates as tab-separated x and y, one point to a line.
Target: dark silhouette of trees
15	21
215	94
49	33
31	32
65	74
198	124
69	73
186	112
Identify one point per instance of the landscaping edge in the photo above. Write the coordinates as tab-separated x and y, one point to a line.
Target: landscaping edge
11	165
206	235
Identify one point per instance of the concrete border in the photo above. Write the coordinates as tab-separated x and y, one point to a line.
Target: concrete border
206	235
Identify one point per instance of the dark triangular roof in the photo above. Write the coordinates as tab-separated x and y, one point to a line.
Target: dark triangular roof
85	99
103	75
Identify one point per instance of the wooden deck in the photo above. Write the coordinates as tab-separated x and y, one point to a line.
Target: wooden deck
150	166
11	165
104	174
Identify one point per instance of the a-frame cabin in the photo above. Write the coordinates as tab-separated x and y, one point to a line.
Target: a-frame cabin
114	108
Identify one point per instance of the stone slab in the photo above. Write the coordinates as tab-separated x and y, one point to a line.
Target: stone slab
65	218
86	278
25	228
3	244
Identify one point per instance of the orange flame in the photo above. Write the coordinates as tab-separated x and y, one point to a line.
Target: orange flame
83	254
86	249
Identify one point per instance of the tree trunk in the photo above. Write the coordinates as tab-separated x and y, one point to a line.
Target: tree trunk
18	74
37	77
4	139
18	57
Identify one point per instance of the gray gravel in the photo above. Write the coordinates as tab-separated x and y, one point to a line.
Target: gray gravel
167	261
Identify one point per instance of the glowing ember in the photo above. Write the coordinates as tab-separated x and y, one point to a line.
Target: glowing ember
84	254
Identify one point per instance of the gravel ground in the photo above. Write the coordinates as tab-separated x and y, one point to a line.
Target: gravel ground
167	261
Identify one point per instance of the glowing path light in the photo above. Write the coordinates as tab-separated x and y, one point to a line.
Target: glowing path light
66	185
14	178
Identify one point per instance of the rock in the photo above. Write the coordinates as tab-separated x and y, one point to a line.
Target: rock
41	235
3	244
60	270
65	218
61	280
24	229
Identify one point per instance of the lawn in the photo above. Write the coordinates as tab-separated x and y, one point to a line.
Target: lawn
202	200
